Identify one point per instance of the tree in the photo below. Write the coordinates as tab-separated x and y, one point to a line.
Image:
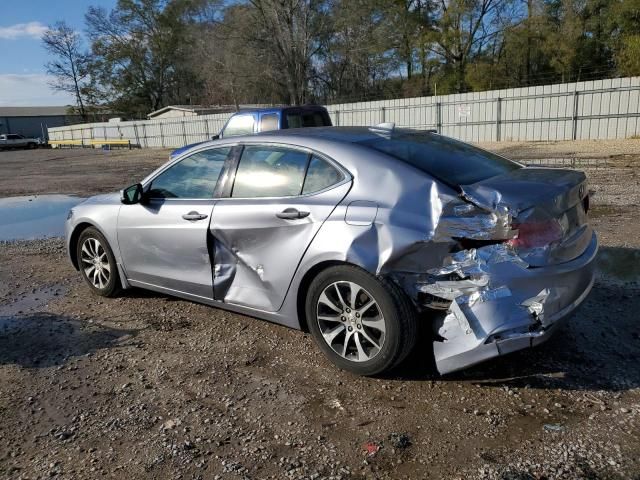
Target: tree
138	53
290	31
70	67
463	30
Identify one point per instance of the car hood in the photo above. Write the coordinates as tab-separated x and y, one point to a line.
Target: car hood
103	199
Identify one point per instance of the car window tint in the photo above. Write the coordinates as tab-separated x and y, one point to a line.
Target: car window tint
320	175
269	122
307	119
449	160
194	177
269	172
239	125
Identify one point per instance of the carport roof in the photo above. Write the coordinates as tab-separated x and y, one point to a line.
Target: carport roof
35	111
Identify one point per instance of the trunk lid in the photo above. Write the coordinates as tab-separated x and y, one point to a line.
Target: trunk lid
547	206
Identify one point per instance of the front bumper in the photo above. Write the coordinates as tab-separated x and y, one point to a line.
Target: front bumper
527	307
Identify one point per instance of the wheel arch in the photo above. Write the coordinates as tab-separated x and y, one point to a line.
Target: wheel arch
75	235
306	282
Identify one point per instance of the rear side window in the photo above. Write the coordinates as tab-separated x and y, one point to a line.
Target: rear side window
195	176
239	125
307	119
453	162
269	172
320	175
269	122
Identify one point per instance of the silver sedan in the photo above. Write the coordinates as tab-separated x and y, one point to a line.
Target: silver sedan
355	235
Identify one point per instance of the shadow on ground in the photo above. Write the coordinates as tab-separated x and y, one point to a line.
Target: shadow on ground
598	348
40	339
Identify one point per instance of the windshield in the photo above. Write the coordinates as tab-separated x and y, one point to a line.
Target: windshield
454	162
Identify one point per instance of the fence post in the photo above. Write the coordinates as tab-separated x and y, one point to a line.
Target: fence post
574	130
144	132
206	128
337	118
498	118
382	114
161	135
439	118
135	130
184	134
104	132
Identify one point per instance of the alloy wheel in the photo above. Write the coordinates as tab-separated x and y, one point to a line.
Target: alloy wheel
351	321
95	263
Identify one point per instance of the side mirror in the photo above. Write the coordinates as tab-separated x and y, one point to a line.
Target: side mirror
215	137
131	195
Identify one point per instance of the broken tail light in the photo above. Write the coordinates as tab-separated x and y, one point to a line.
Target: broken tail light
537	234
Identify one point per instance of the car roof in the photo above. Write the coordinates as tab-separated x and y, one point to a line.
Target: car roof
279	109
334	134
323	139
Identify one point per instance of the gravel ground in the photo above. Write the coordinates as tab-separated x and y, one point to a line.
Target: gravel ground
149	386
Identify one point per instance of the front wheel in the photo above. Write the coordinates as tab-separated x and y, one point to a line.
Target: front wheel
363	324
97	263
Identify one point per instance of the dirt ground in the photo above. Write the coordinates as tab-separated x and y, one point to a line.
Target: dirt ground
149	386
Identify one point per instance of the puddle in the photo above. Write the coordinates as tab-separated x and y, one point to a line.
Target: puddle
27	303
621	264
35	216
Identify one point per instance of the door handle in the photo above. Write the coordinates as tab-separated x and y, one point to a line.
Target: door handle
192	216
291	214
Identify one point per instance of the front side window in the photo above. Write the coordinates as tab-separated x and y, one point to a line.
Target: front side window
239	125
193	177
270	172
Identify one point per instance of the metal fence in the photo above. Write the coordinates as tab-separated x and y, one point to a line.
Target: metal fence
603	109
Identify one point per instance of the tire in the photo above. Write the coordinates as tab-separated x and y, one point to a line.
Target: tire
381	335
97	264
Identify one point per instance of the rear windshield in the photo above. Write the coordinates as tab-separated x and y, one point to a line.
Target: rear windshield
453	162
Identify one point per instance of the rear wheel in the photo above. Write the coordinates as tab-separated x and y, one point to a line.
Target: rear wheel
97	263
363	324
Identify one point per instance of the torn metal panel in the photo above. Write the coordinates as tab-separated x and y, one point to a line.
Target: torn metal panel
465	220
519	313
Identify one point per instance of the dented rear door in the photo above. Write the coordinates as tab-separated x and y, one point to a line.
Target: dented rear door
279	199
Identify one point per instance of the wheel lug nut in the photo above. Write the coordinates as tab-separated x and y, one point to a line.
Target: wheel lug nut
348	310
359	326
342	318
357	315
350	329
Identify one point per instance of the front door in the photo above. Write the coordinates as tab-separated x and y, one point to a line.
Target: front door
164	241
279	199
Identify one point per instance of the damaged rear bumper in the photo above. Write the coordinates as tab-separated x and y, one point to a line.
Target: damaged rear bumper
522	312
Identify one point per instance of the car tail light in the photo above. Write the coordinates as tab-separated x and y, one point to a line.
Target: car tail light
537	234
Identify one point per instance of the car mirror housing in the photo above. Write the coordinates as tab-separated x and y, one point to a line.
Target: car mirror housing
131	195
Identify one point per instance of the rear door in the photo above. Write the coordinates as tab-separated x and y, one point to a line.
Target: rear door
277	201
164	240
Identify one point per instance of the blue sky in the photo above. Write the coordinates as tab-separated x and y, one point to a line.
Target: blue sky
22	73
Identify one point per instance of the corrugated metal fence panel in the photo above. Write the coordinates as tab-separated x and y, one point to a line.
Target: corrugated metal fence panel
584	110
